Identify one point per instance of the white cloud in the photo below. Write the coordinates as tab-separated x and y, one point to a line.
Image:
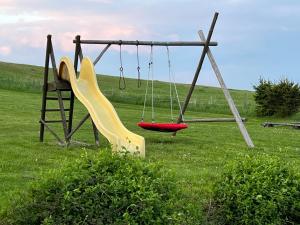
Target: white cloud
236	2
5	50
4	3
248	31
19	18
101	1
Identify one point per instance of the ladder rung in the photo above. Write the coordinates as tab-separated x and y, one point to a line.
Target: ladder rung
55	121
59	85
55	98
55	110
54	90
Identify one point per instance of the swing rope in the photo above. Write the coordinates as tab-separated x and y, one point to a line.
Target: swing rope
150	68
152	87
122	83
161	127
171	83
172	80
138	66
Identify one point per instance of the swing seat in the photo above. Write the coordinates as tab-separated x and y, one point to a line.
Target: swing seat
163	127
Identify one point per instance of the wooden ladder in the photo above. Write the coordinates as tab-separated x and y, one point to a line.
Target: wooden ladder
57	86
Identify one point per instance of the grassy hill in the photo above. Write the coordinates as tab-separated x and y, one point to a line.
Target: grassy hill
205	99
196	156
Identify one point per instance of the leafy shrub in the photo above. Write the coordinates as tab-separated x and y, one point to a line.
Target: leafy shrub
263	98
258	190
107	189
282	99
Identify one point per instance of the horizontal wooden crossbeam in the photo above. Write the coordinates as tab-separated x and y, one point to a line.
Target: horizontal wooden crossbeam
55	98
204	120
55	110
295	125
55	121
153	43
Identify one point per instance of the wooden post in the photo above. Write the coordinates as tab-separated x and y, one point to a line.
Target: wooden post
72	96
227	95
56	86
79	125
78	54
70	123
188	97
59	95
45	86
101	54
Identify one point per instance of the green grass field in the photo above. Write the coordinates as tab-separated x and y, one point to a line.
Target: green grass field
196	155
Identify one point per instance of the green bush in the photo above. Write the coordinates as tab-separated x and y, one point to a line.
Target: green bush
282	99
263	98
258	190
107	189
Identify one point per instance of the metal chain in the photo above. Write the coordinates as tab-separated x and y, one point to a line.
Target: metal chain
138	66
122	83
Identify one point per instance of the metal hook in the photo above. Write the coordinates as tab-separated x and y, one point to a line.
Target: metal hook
138	66
122	83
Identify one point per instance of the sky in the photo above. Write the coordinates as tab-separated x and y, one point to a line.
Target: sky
256	38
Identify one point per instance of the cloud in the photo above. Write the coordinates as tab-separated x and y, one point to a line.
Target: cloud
19	18
248	32
28	22
101	1
237	2
5	50
6	2
64	29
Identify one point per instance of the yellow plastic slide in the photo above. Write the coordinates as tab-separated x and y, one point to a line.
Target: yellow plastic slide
102	112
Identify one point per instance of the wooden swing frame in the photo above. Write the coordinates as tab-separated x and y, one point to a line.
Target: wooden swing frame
206	43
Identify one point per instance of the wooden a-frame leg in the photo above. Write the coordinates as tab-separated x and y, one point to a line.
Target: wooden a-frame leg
62	114
96	133
44	98
79	55
227	95
70	123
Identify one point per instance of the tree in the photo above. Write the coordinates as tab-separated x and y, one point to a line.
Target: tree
282	99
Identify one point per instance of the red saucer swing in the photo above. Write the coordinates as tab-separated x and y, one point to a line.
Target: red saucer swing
161	127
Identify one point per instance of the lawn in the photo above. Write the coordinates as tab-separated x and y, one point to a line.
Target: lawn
196	156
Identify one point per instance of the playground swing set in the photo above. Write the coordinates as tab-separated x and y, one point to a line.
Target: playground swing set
162	127
66	80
